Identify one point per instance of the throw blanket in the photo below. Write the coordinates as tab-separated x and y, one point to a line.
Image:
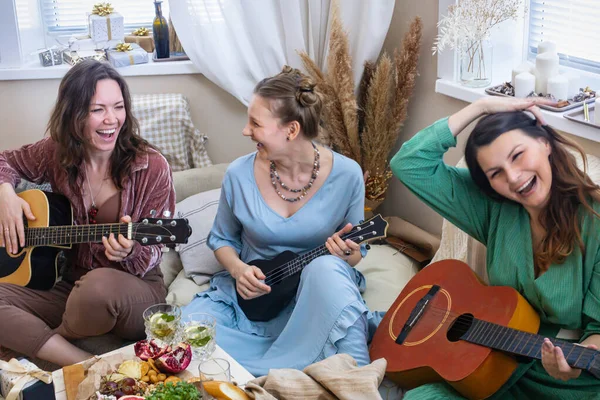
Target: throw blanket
336	377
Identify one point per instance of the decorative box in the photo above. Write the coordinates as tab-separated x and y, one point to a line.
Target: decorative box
75	57
136	55
79	43
145	42
25	374
109	27
50	57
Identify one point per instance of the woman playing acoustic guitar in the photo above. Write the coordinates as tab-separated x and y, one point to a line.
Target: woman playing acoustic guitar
524	198
95	157
258	218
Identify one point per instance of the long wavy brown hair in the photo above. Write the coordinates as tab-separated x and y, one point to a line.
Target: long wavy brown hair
69	116
571	187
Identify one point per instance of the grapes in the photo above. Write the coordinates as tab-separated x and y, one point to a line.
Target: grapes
127	382
127	389
118	394
112	386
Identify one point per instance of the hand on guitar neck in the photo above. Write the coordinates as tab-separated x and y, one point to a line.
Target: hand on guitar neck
12	232
555	363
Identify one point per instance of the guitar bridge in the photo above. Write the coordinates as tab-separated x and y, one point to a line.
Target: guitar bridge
416	314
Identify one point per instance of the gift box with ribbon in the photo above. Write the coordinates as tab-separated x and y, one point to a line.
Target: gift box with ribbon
23	380
105	24
127	54
75	57
141	37
50	56
79	43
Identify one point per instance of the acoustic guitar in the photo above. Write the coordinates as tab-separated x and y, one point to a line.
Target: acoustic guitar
447	326
283	272
36	265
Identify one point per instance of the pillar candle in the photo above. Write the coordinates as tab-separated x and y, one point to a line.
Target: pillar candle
597	111
546	47
546	67
524	67
524	84
573	83
558	86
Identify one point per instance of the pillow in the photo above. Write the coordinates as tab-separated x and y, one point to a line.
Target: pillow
198	260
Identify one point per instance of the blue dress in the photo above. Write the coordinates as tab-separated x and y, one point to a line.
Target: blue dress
328	315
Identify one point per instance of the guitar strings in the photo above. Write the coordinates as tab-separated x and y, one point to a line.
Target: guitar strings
282	272
586	355
278	274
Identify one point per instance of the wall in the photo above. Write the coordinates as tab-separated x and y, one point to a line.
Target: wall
26	106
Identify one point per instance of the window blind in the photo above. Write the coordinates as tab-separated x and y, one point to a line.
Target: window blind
63	17
572	25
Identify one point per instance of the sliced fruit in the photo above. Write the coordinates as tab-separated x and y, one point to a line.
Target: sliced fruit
145	367
131	397
131	368
224	390
175	361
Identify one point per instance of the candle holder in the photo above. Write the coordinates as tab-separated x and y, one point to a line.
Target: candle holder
476	63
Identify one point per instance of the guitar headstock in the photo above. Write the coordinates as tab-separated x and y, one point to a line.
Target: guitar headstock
372	229
152	231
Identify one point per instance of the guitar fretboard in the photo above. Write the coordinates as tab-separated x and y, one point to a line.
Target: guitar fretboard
528	344
71	234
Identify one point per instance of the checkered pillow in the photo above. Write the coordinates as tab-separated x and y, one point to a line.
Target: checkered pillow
165	122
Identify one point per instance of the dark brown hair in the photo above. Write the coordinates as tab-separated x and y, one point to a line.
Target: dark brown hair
69	116
293	97
571	187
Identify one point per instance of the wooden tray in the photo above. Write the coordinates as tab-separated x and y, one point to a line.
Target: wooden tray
577	116
572	104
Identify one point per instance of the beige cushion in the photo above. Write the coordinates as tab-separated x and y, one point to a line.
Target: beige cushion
183	290
198	260
387	271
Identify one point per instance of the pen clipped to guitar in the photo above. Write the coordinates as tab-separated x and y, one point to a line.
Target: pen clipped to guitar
36	265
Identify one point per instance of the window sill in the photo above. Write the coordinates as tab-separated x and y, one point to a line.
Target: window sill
555	119
35	71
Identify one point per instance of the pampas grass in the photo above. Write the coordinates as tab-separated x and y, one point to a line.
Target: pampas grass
366	128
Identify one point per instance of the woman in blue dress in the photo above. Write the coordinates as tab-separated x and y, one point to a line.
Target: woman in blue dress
291	194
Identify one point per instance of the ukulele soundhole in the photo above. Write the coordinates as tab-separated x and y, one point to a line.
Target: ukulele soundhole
459	327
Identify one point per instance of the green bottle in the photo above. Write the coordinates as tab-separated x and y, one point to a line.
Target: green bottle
160	29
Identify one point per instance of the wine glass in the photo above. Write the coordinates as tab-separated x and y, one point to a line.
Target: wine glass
162	322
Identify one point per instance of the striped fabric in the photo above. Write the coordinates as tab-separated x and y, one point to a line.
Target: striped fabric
566	296
165	121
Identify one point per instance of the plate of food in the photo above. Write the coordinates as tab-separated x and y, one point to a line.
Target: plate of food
585	95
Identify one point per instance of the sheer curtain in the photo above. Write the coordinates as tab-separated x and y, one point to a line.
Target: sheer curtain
236	43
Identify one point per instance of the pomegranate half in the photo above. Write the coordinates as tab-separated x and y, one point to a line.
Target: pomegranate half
175	361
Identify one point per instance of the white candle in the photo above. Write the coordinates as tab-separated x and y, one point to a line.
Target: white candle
524	84
546	47
546	67
524	67
573	83
597	111
558	86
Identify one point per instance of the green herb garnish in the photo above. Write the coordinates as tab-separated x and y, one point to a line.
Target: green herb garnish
167	317
180	391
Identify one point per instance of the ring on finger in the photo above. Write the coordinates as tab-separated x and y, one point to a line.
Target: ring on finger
348	252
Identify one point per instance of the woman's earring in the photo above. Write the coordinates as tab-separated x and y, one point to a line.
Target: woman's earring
288	138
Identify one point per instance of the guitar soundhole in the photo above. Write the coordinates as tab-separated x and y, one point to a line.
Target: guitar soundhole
459	327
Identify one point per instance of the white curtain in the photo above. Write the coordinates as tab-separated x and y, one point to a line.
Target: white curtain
236	43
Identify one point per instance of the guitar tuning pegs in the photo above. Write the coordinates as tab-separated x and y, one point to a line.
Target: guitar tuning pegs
167	214
368	246
152	213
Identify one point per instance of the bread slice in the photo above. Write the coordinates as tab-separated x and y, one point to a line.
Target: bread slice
224	390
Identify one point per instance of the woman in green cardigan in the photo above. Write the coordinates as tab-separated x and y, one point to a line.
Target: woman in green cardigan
539	216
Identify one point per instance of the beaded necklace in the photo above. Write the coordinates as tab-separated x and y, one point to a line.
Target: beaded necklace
275	179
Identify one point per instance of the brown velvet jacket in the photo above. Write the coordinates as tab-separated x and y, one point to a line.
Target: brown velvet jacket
150	187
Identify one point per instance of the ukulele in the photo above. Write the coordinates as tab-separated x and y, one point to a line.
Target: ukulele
447	326
36	265
283	272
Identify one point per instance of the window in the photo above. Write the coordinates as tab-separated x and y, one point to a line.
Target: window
572	25
65	17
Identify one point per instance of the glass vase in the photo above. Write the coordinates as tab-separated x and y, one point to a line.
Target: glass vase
160	29
476	63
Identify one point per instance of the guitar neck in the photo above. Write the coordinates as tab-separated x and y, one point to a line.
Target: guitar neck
528	344
72	234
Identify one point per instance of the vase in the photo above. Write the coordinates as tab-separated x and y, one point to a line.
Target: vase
160	29
476	63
